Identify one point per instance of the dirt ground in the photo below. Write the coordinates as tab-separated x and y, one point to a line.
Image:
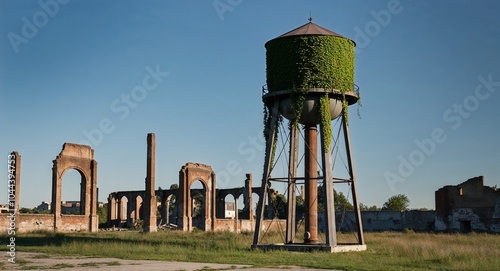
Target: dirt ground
41	261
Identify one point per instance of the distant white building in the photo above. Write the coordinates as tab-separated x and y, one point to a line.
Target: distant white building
230	211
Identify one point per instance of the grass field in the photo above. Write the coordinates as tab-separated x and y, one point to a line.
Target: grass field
386	251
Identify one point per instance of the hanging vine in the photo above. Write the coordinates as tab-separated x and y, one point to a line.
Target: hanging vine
325	122
297	99
267	129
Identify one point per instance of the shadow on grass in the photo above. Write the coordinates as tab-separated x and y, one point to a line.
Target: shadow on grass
60	239
190	241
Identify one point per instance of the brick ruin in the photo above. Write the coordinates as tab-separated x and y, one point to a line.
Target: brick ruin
469	206
124	207
150	194
72	156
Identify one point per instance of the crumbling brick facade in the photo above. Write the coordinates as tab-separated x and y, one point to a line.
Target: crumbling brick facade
72	156
469	206
80	158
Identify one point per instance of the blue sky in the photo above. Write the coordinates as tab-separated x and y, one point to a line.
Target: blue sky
428	71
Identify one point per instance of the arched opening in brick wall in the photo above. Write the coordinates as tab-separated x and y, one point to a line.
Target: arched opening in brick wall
138	210
255	201
123	209
229	207
198	204
171	208
73	192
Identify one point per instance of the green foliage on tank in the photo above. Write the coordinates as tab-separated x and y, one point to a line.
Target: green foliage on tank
299	63
310	61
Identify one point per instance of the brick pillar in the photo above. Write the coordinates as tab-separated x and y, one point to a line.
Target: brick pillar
248	199
150	201
94	218
56	197
119	213
111	209
130	211
165	206
236	228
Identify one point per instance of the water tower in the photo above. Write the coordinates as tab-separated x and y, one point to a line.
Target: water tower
310	82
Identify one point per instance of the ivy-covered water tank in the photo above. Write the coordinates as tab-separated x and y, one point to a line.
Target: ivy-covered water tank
306	63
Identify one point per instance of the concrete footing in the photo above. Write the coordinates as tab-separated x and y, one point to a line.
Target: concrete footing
320	247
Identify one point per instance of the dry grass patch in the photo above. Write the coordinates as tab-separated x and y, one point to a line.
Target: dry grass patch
386	251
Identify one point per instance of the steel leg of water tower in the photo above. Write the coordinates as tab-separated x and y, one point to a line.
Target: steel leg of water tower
265	174
357	212
331	234
292	197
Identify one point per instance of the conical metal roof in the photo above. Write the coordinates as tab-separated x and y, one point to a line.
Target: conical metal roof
311	28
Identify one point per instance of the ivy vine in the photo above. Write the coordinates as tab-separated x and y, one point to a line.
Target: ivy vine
267	128
310	62
324	109
299	63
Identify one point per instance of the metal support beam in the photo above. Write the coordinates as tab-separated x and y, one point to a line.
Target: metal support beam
292	196
326	160
267	171
350	164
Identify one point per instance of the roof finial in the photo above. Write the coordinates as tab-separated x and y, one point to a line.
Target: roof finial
310	17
